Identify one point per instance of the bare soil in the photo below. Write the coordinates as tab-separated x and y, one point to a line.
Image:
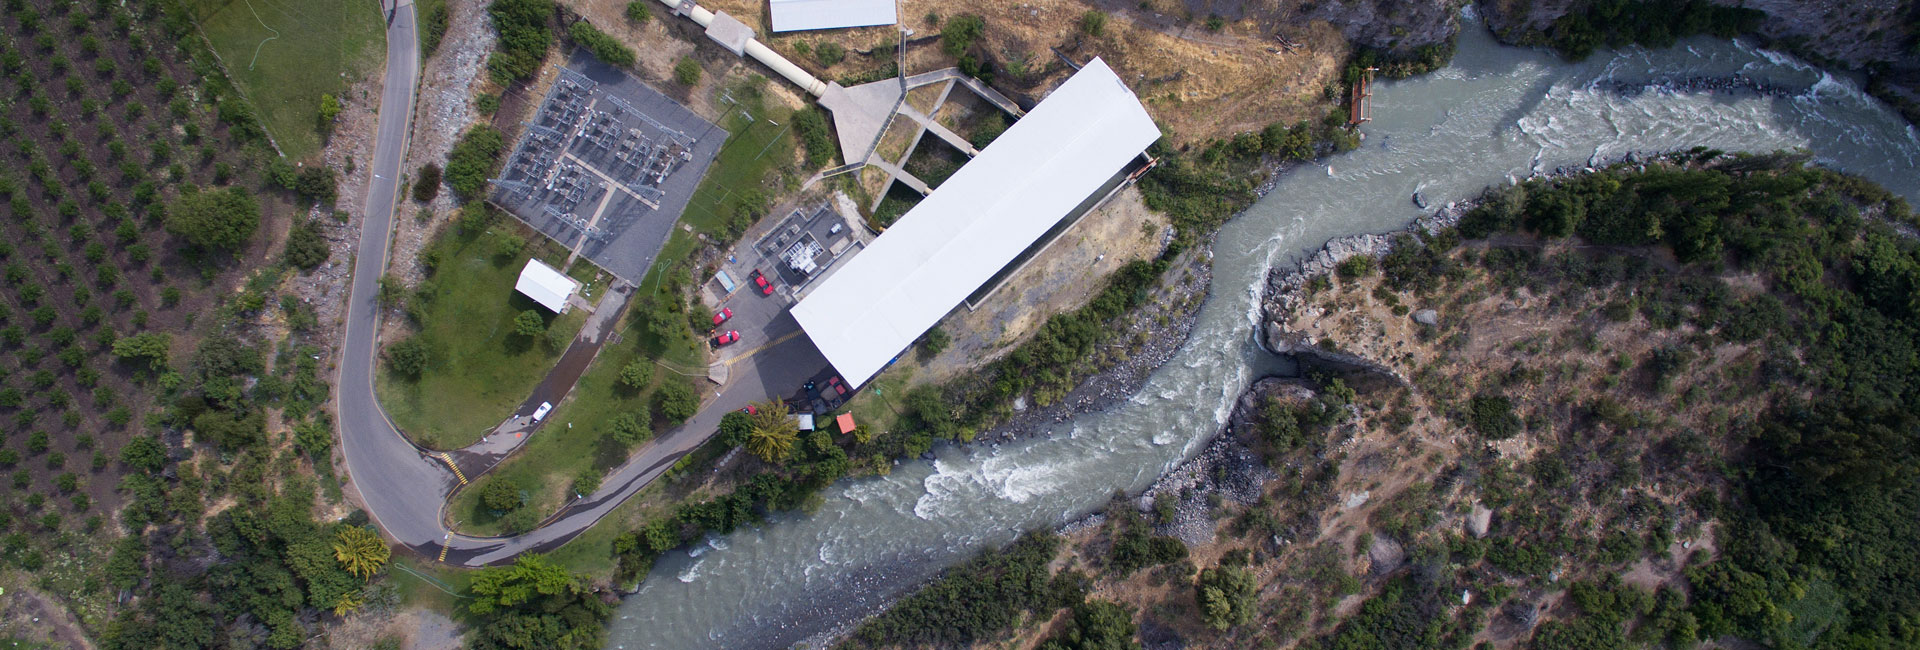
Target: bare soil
1061	278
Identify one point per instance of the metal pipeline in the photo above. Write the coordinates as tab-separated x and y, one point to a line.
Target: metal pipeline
758	51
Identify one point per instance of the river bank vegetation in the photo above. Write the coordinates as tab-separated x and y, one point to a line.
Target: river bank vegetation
1654	405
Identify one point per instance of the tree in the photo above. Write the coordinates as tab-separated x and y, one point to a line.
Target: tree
144	453
360	551
604	47
627	430
529	323
1226	596
472	161
305	247
773	434
934	342
317	183
408	357
960	33
587	481
687	71
735	426
151	346
675	400
501	495
535	604
636	374
222	219
1097	625
426	185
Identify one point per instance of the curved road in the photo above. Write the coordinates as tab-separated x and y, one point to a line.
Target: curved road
405	487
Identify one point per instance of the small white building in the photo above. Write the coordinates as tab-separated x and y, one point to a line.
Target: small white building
546	285
798	15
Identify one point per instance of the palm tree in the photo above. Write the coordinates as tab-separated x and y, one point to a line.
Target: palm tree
360	551
773	434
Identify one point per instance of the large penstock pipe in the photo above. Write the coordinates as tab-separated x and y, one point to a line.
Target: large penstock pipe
758	51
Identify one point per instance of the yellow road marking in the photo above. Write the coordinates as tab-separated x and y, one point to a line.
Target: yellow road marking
454	467
443	552
762	348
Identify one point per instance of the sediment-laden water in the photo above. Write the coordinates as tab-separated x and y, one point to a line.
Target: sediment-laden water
1495	113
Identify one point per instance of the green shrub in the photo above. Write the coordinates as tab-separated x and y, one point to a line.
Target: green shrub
811	125
604	47
638	13
472	161
426	184
829	53
305	247
1093	23
524	39
1492	417
686	71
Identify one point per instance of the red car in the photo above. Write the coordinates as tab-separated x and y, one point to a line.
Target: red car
728	337
750	410
760	280
838	388
722	316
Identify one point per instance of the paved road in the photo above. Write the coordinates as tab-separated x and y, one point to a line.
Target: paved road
405	487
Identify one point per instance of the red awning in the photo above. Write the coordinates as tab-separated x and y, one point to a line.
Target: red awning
845	422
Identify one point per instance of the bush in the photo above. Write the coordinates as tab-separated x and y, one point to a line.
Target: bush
329	110
317	184
433	27
687	71
501	495
1492	416
959	34
811	125
426	185
1093	23
408	358
638	13
1358	266
305	247
829	53
604	47
472	161
935	341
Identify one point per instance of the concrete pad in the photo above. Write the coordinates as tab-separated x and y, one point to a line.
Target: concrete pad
861	113
729	33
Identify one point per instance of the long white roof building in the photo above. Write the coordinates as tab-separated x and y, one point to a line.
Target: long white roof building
976	222
797	15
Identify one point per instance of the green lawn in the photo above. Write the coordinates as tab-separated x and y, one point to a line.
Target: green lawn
284	54
750	164
478	370
575	436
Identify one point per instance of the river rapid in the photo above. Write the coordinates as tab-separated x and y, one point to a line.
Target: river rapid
1494	114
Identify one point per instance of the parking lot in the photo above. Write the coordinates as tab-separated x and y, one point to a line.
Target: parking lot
606	166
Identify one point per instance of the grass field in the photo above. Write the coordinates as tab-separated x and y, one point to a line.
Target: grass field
753	157
284	54
576	437
478	369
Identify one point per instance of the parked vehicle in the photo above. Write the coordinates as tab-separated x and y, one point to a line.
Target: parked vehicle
726	337
541	413
750	410
760	280
722	316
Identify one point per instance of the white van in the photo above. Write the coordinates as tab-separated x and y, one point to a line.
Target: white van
541	412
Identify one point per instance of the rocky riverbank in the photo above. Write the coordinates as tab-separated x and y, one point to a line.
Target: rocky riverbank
1150	336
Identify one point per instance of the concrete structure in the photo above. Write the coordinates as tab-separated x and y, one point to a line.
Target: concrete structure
729	33
797	15
1043	169
546	285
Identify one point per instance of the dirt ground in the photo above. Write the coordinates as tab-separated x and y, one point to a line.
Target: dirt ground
415	628
29	615
1202	84
1061	278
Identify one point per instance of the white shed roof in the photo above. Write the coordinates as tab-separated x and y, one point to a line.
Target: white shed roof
796	15
977	222
546	285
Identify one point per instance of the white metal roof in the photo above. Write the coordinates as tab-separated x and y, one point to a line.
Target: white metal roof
976	222
546	286
796	15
